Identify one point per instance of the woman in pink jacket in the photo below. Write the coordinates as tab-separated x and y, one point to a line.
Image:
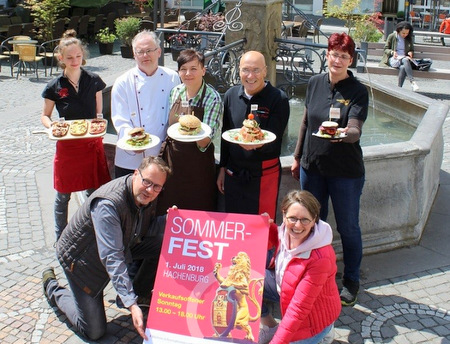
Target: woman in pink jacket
303	280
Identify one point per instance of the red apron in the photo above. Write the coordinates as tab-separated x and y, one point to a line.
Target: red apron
79	164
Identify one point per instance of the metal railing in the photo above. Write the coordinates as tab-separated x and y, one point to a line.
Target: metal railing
297	61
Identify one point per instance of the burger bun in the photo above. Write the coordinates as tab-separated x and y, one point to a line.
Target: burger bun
328	128
189	125
190	121
137	133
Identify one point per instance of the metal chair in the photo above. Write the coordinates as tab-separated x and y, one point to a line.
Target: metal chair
147	24
15	20
83	26
27	30
314	30
4	49
14	30
188	15
27	57
73	23
95	26
110	17
299	23
414	17
49	51
426	20
13	52
58	28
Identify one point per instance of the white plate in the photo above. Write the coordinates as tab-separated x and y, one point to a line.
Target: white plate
173	132
230	136
122	143
341	136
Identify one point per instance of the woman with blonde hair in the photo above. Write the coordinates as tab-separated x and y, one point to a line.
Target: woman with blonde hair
79	164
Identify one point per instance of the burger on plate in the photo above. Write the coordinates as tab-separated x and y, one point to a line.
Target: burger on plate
138	137
189	125
250	130
328	128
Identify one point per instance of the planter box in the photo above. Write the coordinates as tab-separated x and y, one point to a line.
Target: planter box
126	51
105	48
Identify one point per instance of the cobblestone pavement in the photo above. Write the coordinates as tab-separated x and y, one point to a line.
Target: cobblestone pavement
405	296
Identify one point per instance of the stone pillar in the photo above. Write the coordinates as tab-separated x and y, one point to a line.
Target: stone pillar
261	21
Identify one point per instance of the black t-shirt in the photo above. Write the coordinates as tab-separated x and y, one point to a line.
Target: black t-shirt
319	155
70	104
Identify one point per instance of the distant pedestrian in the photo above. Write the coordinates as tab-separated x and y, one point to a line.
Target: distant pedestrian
398	52
79	164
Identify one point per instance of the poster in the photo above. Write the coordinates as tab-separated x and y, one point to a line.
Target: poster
210	278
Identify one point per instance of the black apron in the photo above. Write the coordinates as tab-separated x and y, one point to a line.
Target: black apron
192	184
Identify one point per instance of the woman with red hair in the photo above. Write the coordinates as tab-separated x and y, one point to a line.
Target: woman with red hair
335	167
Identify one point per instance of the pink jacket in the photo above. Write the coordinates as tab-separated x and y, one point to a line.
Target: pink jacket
309	297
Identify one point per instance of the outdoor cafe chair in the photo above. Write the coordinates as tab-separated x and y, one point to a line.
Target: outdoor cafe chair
83	26
49	51
414	17
4	49
426	20
73	23
58	28
314	30
14	52
27	29
28	58
14	30
95	26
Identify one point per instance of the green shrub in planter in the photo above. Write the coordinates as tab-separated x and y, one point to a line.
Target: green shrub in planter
127	28
105	36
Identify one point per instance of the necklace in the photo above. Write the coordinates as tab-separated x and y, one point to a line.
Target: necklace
74	84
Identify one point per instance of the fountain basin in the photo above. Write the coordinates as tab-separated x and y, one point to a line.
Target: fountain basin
401	178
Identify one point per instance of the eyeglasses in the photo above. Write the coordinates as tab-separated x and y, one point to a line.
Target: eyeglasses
336	56
293	220
148	184
247	71
145	52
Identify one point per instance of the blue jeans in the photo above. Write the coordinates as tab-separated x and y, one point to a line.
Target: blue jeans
85	312
62	210
270	292
345	195
317	338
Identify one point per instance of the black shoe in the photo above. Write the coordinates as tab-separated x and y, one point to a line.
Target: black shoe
349	292
47	276
347	298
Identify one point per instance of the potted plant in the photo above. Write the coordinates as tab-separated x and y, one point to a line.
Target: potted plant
362	27
105	39
126	29
45	13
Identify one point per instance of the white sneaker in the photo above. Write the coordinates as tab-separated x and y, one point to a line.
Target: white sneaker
414	86
266	334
